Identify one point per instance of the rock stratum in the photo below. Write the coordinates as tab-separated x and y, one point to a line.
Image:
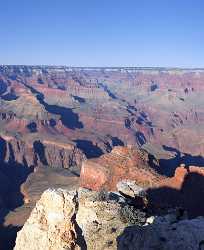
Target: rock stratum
98	108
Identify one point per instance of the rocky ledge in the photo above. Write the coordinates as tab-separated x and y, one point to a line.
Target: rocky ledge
85	219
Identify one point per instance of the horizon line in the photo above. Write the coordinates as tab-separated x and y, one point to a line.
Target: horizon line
102	67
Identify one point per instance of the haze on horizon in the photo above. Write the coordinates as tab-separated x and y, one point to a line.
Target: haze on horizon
103	33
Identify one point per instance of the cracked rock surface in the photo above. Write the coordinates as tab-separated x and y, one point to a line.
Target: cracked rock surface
164	234
65	219
85	219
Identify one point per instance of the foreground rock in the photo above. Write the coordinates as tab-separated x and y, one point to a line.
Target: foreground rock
164	234
86	219
72	220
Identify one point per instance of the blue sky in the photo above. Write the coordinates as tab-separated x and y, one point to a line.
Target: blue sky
102	32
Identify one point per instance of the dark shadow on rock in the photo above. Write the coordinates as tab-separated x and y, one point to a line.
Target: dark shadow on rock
185	158
127	123
12	176
2	150
108	91
3	87
190	196
40	81
154	87
9	97
52	122
8	236
193	194
190	160
88	148
140	138
116	141
140	120
16	174
39	150
80	238
128	239
32	127
161	200
165	167
79	99
168	167
68	117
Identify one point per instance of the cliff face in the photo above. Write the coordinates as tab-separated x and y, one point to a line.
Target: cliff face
25	162
40	153
88	220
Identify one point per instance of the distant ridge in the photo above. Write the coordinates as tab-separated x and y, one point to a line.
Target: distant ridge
65	67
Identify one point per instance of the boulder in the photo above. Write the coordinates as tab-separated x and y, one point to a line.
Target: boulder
65	219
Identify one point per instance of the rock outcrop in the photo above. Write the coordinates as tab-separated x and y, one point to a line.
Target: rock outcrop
90	220
123	163
126	170
72	220
181	173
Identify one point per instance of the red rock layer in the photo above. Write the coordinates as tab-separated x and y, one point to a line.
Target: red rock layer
122	163
128	163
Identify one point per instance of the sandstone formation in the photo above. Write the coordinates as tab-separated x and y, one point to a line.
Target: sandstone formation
123	163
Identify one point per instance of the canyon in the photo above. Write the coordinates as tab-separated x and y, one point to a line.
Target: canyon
109	129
